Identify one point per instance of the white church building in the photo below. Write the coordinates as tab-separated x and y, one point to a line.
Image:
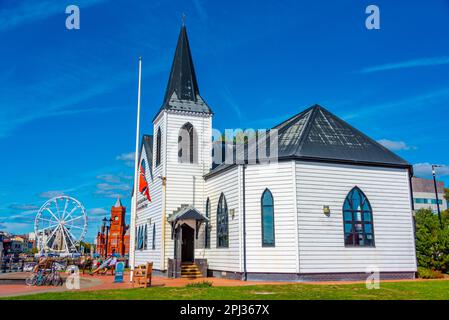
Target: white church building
333	206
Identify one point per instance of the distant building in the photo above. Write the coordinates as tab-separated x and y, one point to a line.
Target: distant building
118	234
424	194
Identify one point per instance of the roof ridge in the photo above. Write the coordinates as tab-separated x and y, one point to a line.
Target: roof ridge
290	120
307	127
341	121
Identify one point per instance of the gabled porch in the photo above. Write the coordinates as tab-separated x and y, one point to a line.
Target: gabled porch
185	225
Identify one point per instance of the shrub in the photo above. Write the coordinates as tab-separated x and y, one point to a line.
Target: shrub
432	242
202	284
424	273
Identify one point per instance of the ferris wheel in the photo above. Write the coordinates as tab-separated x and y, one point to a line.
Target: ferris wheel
59	225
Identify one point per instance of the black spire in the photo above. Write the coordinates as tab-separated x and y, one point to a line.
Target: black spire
182	90
182	76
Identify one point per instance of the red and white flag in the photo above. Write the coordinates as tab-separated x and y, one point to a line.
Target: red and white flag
143	184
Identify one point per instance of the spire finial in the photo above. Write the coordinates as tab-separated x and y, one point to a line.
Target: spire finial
118	203
183	19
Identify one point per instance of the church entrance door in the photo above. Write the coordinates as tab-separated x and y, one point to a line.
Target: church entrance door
188	244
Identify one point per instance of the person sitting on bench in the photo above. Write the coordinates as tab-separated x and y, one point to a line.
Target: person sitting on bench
106	265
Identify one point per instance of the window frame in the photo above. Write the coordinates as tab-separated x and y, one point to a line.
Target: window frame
224	204
158	147
264	244
207	225
353	221
153	243
145	237
192	144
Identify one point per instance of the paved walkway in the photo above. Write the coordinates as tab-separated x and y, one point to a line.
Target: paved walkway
100	282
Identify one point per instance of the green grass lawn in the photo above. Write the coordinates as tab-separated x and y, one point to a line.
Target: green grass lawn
421	290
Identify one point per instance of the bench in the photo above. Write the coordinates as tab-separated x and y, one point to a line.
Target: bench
142	275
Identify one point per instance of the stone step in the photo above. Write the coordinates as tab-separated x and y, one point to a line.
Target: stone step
190	271
191	276
188	267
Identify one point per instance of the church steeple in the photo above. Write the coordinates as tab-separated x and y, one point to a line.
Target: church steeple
182	79
182	91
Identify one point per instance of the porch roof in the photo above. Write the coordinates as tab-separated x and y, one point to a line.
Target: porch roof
186	212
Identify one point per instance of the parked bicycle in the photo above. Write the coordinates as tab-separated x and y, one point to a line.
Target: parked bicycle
44	276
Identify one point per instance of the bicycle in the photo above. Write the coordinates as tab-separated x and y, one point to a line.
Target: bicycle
53	278
36	279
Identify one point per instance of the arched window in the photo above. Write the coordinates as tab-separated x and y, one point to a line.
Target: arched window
267	206
358	219
154	237
187	144
158	146
222	223
207	226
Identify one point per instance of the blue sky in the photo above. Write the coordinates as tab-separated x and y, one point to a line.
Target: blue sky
68	98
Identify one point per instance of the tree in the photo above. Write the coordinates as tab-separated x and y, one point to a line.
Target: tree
87	246
432	242
446	194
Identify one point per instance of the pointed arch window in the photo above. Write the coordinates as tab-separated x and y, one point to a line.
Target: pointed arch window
154	237
222	223
358	219
187	144
267	206
158	146
207	225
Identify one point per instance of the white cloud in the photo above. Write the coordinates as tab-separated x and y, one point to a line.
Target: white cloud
395	145
423	62
23	206
51	194
107	186
109	178
126	177
126	156
411	103
425	170
17	227
109	194
107	190
98	211
200	9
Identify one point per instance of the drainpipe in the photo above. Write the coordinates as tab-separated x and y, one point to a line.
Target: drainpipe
410	179
164	217
245	274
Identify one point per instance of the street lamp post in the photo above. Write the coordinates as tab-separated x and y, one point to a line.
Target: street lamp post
102	239
106	224
436	193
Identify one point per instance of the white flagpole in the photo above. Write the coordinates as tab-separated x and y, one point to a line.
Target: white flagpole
136	175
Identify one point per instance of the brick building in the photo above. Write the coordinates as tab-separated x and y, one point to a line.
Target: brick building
117	234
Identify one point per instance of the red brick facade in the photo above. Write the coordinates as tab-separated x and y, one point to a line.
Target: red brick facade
118	237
